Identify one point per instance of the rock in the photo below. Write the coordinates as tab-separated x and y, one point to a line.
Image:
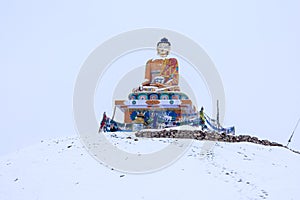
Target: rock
196	134
249	139
245	138
240	138
148	135
138	134
275	144
218	136
266	142
233	139
223	135
155	134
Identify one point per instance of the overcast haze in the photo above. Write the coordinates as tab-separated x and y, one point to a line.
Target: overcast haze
254	45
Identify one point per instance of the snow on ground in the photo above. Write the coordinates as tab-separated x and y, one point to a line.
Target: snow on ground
62	169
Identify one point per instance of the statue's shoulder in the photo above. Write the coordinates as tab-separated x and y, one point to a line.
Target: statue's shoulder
173	61
149	61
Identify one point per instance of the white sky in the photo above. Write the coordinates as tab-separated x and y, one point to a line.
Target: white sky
255	46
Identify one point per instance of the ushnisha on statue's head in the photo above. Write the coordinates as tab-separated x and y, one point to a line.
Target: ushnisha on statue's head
163	47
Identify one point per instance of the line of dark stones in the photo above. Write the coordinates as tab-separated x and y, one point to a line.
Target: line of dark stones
204	135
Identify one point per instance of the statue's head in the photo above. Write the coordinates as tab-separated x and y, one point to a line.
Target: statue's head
163	47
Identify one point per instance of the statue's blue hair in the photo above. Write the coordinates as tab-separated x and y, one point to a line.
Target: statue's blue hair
164	40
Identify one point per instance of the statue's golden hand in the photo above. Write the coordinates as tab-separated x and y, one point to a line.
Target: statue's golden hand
159	85
147	83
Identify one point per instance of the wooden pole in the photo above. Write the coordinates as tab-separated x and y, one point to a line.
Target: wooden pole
218	115
293	133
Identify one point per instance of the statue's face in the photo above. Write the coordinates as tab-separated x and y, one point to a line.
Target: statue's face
163	49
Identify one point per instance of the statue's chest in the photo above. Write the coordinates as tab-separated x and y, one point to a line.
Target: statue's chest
157	65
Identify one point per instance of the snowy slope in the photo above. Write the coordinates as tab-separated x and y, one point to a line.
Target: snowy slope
62	169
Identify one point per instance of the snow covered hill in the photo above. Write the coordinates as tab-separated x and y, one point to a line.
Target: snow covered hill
63	169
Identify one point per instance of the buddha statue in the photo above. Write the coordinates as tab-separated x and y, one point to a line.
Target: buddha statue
159	94
163	71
